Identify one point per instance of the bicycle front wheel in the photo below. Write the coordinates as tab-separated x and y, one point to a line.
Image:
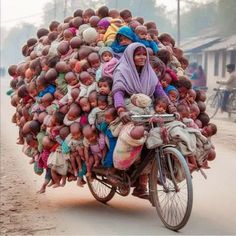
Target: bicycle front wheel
171	188
213	105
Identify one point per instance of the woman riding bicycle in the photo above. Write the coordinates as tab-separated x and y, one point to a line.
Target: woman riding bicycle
134	74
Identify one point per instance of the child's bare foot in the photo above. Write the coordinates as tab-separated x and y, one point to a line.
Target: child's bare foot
79	182
63	181
31	161
51	184
72	178
75	173
89	177
56	185
20	142
83	181
42	190
205	165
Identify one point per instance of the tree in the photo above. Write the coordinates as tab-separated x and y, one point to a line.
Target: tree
198	18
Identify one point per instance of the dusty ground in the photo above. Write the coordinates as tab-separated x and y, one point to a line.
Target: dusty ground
73	211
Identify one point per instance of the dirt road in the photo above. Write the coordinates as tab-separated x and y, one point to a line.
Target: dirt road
73	211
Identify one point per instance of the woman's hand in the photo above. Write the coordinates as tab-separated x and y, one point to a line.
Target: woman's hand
125	116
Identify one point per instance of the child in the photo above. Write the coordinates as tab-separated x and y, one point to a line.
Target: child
86	108
73	115
87	84
92	98
87	13
161	105
183	85
96	116
209	130
111	128
173	94
105	87
141	32
94	62
126	15
75	143
191	97
94	143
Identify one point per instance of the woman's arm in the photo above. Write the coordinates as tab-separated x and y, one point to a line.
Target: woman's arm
159	92
119	100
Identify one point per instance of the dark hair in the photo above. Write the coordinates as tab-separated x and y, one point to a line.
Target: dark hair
184	82
213	128
204	118
112	111
231	66
181	107
59	117
22	91
76	125
164	55
183	60
13	83
161	99
106	79
42	32
90	12
167	37
78	12
29	137
102	98
103	12
34	127
125	13
53	25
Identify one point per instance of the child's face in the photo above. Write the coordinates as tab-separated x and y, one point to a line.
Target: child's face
173	96
101	30
106	56
88	80
109	117
95	63
161	108
142	34
207	131
72	81
93	101
102	105
104	88
85	105
182	92
58	95
86	18
76	134
185	113
46	102
124	41
91	136
71	115
191	96
193	115
166	80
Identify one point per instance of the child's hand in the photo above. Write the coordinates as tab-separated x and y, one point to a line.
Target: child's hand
157	120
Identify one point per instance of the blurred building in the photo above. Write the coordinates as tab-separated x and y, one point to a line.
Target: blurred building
213	53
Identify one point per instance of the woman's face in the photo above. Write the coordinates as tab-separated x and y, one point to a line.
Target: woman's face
140	57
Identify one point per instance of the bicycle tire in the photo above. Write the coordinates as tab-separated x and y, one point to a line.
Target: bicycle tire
101	191
213	105
173	215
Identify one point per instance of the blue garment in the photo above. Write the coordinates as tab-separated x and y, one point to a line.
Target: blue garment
149	44
108	160
127	32
49	89
83	171
169	88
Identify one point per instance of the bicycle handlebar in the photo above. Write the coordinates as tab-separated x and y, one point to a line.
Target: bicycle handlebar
145	118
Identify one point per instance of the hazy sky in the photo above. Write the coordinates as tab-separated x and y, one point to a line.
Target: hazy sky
14	12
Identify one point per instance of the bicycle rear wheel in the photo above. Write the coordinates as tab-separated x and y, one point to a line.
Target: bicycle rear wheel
213	105
171	188
101	190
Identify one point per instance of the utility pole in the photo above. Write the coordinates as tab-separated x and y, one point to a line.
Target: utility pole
55	9
65	8
178	23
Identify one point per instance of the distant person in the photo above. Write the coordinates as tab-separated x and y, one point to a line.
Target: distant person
230	84
198	77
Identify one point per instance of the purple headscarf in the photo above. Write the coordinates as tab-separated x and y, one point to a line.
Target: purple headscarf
126	77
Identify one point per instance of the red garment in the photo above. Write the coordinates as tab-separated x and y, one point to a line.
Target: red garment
172	74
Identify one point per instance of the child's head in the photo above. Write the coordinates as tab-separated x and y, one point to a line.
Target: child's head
183	110
106	54
85	105
58	94
194	111
204	118
32	89
150	25
123	40
173	94
161	105
22	91
113	13
167	40
126	15
110	114
209	130
105	85
133	24
47	143
94	60
164	55
90	133
57	118
31	141
74	112
71	78
177	52
53	25
68	35
47	99
103	11
141	100
41	83
64	132
34	127
87	14
103	24
191	96
202	106
183	62
76	130
85	78
183	85
200	95
92	98
75	93
102	101
158	66
137	132
141	31
93	21
166	80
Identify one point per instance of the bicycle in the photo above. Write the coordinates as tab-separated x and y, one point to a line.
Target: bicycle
214	102
171	196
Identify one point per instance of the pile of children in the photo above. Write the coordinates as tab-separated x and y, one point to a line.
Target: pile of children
62	93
